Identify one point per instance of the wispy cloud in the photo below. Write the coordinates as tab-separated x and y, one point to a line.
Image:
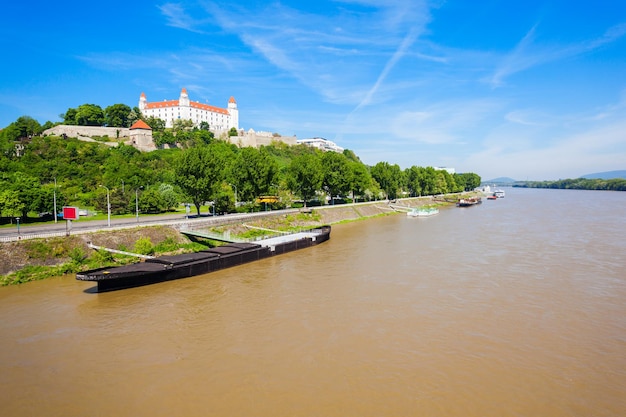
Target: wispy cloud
595	149
177	17
400	52
528	53
444	122
329	52
518	60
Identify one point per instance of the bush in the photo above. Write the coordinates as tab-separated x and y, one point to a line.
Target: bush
38	249
77	255
101	257
167	245
144	246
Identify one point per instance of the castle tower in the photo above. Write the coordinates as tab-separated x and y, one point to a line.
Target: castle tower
234	113
183	100
184	106
142	101
141	136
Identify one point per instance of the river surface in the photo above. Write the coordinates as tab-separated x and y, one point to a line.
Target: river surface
515	307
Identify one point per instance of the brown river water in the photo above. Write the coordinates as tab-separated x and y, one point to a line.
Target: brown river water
515	307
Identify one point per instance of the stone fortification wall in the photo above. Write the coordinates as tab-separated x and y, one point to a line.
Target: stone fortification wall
88	131
257	139
244	139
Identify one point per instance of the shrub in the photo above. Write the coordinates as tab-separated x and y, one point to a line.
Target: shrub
101	257
77	255
144	246
37	249
167	245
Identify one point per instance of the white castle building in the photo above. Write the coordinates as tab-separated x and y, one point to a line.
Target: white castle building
219	119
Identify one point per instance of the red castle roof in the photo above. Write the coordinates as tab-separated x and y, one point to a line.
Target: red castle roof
195	104
140	124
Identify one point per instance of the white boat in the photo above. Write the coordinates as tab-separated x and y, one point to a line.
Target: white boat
422	212
499	193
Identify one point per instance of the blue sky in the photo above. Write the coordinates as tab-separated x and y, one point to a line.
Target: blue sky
533	90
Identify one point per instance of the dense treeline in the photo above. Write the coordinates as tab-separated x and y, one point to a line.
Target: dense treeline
36	170
616	184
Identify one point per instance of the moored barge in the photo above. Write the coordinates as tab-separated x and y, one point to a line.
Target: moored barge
171	267
468	202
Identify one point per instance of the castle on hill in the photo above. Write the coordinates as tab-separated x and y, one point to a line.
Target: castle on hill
139	135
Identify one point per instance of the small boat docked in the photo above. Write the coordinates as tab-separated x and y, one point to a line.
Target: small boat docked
498	193
470	201
171	267
492	197
422	212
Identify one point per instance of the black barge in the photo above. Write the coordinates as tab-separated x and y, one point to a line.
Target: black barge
171	267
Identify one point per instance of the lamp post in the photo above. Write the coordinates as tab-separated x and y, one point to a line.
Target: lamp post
108	206
232	185
137	202
18	226
55	199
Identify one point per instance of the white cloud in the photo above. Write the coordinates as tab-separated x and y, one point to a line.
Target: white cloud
444	122
600	148
529	53
177	17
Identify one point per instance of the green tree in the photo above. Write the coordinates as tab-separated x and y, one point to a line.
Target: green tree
253	173
157	125
8	136
359	179
389	177
202	137
29	191
89	115
118	201
200	170
27	126
152	201
169	195
467	181
134	115
10	204
429	181
23	127
224	199
336	174
415	179
351	156
69	117
117	115
181	125
165	137
305	175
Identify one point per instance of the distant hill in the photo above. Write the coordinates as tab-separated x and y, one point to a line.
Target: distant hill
609	175
499	180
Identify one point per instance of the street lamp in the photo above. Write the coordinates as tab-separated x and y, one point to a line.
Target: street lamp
137	202
232	185
18	225
55	199
108	206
